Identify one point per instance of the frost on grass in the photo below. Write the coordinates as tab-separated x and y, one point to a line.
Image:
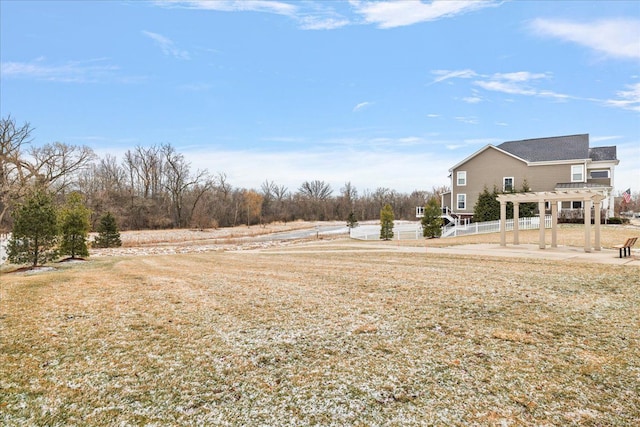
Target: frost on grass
307	339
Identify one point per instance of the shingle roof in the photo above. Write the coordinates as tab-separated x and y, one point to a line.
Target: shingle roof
578	185
602	153
570	147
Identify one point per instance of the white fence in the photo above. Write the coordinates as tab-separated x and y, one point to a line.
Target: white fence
413	230
4	239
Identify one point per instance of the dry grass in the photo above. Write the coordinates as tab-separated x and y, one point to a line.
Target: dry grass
333	338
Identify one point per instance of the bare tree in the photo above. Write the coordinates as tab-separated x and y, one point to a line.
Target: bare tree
346	201
14	172
179	180
56	166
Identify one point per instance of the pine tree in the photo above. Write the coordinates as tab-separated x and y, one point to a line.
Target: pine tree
527	210
74	227
108	234
352	221
431	220
35	231
386	222
487	207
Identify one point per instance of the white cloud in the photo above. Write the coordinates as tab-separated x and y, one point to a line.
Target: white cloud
277	7
470	120
627	99
614	37
525	83
167	46
390	14
309	15
322	23
519	83
457	74
69	72
472	99
323	16
361	105
604	138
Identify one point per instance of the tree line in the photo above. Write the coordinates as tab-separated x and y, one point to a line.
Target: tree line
155	187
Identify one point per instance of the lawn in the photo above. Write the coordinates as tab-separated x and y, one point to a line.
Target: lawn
302	337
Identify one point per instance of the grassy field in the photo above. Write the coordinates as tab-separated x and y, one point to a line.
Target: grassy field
310	336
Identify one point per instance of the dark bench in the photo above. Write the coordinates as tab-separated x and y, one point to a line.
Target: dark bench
626	247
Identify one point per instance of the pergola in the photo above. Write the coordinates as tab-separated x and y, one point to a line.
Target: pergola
591	198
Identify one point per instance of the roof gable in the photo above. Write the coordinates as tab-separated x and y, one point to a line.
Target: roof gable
482	150
572	147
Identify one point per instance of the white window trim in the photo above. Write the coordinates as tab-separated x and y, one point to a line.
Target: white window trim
461	176
464	201
581	173
504	185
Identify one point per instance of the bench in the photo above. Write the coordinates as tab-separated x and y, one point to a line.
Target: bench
626	247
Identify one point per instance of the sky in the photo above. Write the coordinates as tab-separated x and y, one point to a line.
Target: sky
378	94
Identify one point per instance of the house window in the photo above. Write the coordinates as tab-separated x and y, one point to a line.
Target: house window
599	174
577	173
462	178
462	201
576	204
419	211
507	184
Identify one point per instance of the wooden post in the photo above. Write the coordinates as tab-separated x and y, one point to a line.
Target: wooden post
503	223
516	223
587	225
596	245
554	223
542	244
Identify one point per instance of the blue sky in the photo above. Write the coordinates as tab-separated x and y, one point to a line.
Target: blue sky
381	94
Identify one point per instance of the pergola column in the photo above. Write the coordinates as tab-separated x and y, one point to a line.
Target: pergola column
554	224
597	224
503	223
541	225
587	225
516	223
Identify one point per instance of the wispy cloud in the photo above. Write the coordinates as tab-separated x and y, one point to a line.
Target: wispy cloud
470	120
314	15
443	75
89	71
167	46
519	83
627	99
362	105
525	83
472	99
309	15
277	7
618	38
391	14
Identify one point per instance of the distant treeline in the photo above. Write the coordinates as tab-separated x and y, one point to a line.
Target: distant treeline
155	187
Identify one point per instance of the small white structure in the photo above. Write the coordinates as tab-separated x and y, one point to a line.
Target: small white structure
590	198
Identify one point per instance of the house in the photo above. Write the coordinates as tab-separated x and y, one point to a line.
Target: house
544	164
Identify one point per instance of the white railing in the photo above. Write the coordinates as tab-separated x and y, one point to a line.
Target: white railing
4	239
529	223
413	230
401	231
